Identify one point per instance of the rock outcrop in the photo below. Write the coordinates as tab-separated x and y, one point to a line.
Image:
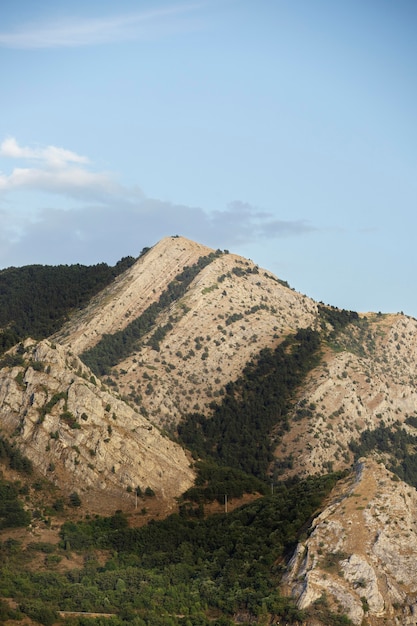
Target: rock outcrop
361	554
80	435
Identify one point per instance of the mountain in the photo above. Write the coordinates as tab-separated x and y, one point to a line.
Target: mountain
209	330
191	353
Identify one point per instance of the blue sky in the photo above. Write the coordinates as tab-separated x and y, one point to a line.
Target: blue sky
282	130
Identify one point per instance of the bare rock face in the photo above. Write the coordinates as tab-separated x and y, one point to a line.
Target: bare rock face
131	293
362	552
80	435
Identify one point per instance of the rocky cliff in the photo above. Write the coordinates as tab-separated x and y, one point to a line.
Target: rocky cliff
81	436
360	557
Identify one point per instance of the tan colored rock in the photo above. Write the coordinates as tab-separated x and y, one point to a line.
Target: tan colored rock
231	310
362	552
131	293
94	440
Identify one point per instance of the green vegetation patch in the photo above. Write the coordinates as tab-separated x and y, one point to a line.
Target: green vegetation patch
237	434
15	459
337	318
36	300
396	444
12	513
216	482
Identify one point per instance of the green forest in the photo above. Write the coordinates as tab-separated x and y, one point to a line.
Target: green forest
177	571
238	431
397	446
36	300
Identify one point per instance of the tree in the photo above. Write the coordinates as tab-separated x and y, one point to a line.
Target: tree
74	499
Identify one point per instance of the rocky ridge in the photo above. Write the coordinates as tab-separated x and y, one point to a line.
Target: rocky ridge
82	437
131	293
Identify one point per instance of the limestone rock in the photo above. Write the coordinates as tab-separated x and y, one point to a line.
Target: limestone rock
362	551
66	420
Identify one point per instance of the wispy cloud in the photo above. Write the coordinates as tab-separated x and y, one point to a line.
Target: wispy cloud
109	220
108	232
58	171
71	33
251	222
51	154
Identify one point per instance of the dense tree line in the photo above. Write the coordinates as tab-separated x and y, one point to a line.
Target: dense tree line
237	433
214	482
399	445
112	349
337	318
36	300
12	513
14	458
179	570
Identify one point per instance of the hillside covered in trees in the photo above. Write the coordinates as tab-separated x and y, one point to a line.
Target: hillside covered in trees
36	300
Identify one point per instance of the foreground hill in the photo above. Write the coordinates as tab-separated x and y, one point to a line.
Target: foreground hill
361	554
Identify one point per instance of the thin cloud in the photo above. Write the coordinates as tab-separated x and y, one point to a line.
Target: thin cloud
59	171
71	33
93	233
73	182
273	228
51	154
255	223
109	220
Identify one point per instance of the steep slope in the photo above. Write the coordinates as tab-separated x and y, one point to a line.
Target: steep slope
361	555
82	437
230	311
129	295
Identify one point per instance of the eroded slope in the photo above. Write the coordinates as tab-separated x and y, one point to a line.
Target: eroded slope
80	435
361	556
